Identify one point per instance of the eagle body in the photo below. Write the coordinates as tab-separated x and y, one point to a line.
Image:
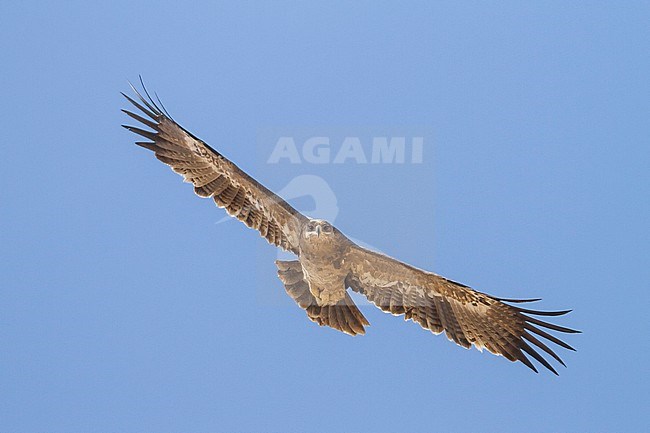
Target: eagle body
328	264
322	258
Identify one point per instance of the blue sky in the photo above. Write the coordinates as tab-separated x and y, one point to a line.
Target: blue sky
125	307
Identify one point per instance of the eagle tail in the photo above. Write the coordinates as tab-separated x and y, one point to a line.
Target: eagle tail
343	316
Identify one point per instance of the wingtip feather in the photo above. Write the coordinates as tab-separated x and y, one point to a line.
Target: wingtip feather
529	350
518	301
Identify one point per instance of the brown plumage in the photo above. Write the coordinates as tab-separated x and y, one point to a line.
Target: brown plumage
329	263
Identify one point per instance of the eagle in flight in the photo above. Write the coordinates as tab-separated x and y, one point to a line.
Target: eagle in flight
328	262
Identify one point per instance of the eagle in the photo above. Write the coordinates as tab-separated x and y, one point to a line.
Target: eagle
329	264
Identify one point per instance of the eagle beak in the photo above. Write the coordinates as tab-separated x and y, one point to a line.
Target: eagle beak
318	229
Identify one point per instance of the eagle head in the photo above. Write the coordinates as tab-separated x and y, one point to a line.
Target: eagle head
321	229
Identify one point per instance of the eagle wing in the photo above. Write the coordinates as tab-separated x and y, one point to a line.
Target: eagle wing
468	317
215	176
